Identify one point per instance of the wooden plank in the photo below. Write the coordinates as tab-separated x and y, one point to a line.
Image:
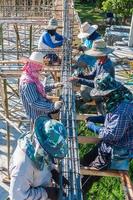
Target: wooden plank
83	117
112	173
17	73
127	185
87	139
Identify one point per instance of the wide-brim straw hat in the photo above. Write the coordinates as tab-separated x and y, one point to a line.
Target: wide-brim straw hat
99	49
52	24
51	135
36	57
104	85
87	30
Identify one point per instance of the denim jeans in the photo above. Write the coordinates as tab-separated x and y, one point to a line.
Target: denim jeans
91	159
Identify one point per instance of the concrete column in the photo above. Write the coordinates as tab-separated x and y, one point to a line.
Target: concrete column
130	42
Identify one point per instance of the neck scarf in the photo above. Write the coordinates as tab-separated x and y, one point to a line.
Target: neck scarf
28	76
30	145
116	97
94	36
102	60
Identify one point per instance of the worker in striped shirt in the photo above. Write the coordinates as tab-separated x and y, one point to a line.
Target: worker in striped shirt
32	92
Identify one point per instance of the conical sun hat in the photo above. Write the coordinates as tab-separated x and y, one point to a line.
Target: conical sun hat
98	49
52	24
51	135
86	30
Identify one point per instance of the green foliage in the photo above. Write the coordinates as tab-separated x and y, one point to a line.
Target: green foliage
107	187
119	7
86	12
82	130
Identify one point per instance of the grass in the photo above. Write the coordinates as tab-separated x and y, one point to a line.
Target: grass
86	12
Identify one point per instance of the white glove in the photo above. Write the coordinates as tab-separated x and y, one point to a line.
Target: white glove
58	84
58	105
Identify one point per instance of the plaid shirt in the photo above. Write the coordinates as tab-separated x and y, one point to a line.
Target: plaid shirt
100	68
118	127
34	103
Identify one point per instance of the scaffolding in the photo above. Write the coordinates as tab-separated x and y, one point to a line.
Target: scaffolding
21	24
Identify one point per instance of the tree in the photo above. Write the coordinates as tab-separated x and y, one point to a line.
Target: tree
119	7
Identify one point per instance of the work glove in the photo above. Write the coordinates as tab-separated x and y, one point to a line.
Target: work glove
52	192
58	105
91	126
56	175
72	79
58	84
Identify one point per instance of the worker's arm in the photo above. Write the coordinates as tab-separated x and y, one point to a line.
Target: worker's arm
48	41
58	37
32	96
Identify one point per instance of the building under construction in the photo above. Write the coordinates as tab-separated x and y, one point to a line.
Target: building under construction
21	24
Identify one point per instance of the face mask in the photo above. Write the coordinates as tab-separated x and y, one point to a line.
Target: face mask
51	32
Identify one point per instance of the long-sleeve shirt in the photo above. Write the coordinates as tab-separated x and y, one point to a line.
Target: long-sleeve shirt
27	182
118	127
88	42
106	67
47	41
34	103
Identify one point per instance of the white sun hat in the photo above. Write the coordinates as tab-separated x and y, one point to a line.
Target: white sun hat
37	57
86	30
98	49
52	24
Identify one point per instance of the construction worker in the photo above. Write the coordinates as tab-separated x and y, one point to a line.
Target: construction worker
32	164
116	145
88	34
32	92
50	39
103	65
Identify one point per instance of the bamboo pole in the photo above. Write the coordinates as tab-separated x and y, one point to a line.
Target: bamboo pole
7	124
30	39
88	140
127	186
18	43
2	42
91	172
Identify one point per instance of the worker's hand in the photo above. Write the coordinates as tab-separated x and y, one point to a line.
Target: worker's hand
56	178
82	48
89	124
74	78
52	192
58	105
58	84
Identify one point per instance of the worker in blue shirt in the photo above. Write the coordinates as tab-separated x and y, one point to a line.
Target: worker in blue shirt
88	34
103	65
50	39
116	144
